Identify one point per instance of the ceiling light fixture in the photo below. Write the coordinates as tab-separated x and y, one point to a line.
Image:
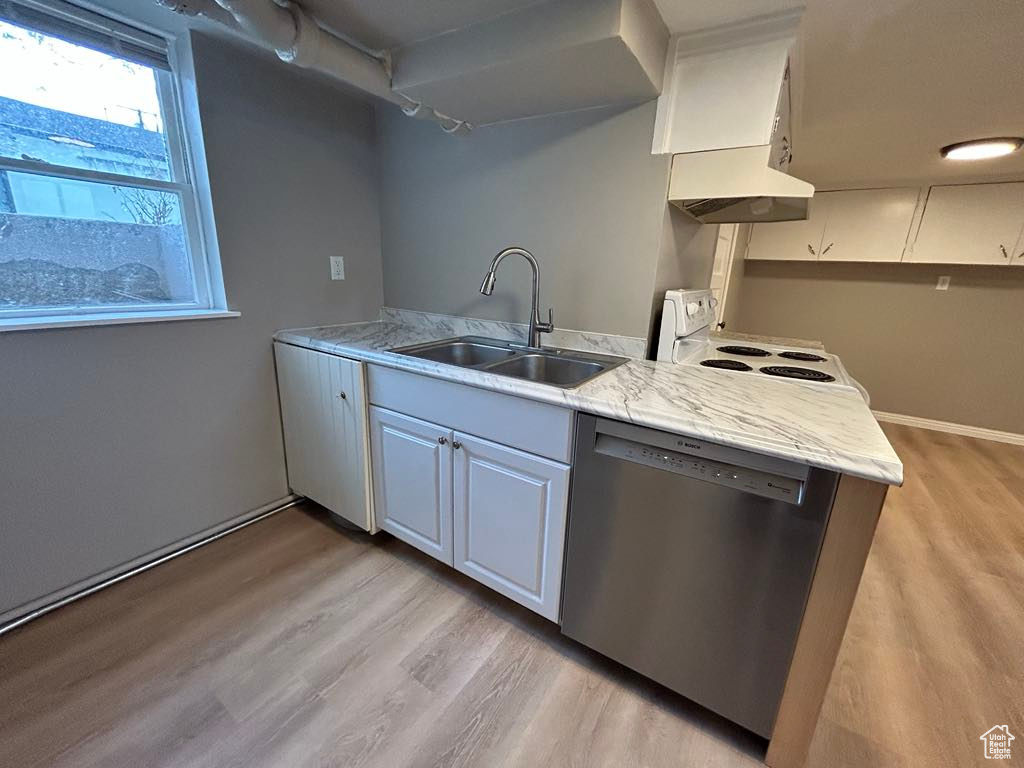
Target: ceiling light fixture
982	149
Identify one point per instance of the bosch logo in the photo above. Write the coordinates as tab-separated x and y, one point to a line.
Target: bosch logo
695	446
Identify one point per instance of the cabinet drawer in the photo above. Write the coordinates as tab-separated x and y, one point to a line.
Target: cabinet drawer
538	428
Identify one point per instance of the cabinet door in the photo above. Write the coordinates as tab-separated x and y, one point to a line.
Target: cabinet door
510	511
1018	252
970	224
866	224
323	410
789	240
412	481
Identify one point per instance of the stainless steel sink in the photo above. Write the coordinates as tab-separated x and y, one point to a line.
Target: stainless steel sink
467	354
549	369
557	367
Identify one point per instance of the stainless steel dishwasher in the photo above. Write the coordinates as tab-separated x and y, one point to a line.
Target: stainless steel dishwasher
691	562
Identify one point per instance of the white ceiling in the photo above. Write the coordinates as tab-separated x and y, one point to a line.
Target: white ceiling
691	15
393	23
887	83
882	85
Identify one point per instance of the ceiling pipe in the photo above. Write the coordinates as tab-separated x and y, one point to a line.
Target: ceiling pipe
265	21
298	39
203	9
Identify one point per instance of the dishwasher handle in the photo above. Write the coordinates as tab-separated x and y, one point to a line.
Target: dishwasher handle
738	478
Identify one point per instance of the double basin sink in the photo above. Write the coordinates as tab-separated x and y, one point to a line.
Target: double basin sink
557	367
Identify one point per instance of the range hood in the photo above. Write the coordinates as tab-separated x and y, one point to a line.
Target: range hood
728	186
724	115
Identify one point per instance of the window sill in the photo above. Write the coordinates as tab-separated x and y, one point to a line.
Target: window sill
111	318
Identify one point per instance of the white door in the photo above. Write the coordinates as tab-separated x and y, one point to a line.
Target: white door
510	512
789	240
412	481
722	269
323	410
970	224
866	224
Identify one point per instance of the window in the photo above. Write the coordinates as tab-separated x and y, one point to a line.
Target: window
98	213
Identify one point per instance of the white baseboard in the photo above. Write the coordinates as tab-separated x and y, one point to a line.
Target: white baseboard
947	426
24	613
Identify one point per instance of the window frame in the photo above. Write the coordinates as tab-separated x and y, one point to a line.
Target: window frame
188	181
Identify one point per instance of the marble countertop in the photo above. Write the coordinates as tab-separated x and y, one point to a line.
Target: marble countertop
816	425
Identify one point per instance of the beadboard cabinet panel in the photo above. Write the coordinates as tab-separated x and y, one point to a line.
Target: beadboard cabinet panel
323	412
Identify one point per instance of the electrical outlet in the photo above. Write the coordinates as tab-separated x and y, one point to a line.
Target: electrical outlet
337	267
943	283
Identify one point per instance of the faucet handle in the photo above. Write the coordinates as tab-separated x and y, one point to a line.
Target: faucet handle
549	326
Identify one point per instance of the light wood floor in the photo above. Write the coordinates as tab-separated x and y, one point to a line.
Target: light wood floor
292	643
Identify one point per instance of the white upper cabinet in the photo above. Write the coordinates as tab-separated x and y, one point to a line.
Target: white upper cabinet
866	224
734	79
850	225
323	410
971	224
789	240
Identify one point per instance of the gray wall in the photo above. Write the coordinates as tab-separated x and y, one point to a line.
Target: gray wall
581	191
686	259
955	355
120	440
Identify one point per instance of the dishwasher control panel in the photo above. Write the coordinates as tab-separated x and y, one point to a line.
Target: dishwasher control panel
738	478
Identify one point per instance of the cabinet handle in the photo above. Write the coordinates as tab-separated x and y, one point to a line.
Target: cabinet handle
456	444
827	248
342	396
442	440
1003	249
811	251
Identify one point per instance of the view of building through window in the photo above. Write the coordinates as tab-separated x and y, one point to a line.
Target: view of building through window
79	240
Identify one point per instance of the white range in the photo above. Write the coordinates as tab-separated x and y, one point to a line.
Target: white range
685	339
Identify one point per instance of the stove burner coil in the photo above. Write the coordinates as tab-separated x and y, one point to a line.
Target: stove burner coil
746	351
806	357
791	372
726	365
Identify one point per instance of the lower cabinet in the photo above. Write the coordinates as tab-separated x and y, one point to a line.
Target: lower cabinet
323	411
510	510
412	481
496	513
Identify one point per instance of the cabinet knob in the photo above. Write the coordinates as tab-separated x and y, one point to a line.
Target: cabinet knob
442	440
811	250
827	248
342	396
456	444
1003	249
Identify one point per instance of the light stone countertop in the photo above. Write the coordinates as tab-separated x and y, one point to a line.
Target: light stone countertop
812	424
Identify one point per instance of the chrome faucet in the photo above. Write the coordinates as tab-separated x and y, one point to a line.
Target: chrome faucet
537	327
